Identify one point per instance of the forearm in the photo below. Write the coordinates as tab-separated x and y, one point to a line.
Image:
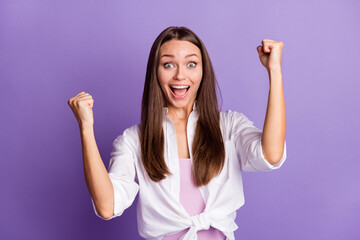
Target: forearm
96	175
274	129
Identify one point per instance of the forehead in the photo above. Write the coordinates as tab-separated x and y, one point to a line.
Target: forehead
179	48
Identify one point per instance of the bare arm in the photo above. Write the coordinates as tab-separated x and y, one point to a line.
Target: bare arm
274	129
96	175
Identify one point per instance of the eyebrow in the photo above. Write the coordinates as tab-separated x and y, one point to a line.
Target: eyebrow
172	56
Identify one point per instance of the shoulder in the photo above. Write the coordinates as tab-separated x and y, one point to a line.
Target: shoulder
229	114
232	121
129	138
229	117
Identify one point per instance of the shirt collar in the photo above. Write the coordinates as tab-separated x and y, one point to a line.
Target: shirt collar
194	108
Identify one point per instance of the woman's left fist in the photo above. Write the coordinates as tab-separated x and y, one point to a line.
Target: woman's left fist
270	54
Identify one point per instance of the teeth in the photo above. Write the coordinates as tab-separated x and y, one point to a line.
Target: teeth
179	87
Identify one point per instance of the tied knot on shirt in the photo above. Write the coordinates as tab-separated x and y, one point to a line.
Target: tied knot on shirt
201	221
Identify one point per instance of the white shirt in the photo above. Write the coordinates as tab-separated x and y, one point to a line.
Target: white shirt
159	211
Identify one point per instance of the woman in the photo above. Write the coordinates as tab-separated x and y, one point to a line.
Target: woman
185	157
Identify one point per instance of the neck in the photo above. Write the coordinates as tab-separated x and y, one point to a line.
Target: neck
180	114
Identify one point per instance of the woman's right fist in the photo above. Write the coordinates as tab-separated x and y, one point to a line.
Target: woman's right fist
81	105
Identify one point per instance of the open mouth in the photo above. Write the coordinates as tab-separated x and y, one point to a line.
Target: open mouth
179	91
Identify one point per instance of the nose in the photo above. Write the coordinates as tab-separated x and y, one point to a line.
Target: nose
180	73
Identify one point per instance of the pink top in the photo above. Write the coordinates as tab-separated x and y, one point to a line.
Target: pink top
191	199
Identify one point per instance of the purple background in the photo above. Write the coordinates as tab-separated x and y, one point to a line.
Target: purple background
52	50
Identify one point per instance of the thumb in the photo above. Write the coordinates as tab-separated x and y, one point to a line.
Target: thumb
260	50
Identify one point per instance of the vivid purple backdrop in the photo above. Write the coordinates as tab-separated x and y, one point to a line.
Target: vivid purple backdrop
52	50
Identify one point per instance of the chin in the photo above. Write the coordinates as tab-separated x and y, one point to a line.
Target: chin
178	103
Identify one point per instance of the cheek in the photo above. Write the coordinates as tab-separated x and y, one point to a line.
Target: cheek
162	77
197	76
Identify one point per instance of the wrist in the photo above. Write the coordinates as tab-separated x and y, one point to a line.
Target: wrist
275	74
84	128
274	70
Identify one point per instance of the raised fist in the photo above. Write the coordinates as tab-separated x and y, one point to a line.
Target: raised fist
270	54
81	105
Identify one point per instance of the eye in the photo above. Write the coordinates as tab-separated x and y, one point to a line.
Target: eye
192	64
168	65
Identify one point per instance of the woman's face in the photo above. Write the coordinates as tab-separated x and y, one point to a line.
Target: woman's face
180	72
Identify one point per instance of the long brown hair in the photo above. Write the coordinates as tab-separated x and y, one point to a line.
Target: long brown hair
208	147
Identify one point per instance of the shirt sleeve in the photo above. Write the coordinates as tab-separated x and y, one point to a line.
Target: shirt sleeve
247	140
122	173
